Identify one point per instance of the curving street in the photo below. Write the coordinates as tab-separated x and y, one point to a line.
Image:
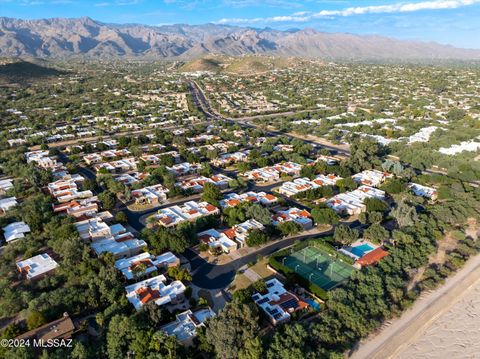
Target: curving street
210	276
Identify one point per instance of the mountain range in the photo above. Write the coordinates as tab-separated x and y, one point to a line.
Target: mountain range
87	38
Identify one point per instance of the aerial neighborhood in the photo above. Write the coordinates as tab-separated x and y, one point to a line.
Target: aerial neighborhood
160	207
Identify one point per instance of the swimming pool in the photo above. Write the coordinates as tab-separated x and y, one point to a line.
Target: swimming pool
362	249
315	305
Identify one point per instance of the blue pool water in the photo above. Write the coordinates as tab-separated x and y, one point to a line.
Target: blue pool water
313	304
361	250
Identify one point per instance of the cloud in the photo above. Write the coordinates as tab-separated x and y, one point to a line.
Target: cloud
359	10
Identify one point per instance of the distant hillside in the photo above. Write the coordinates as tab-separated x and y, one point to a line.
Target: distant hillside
84	37
243	65
18	71
202	64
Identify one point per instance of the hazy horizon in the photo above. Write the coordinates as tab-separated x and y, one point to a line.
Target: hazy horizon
453	22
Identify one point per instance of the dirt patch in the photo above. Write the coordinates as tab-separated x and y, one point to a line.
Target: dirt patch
240	282
472	228
448	243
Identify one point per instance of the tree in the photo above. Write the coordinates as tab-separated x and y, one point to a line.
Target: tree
242	296
370	217
256	237
253	349
211	194
376	233
259	213
346	184
394	186
119	330
324	215
375	205
288	228
365	153
107	199
404	214
35	319
363	217
291	342
375	217
231	329
260	286
345	234
121	217
179	273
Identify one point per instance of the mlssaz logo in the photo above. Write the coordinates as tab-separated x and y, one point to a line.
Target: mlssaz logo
52	343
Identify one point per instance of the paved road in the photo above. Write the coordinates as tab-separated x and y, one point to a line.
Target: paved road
395	338
137	218
202	102
211	276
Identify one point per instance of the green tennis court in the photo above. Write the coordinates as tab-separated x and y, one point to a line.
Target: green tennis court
318	267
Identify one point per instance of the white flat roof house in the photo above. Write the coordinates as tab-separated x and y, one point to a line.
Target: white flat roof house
278	303
189	211
185	325
424	191
5	185
37	267
234	199
130	266
299	216
15	231
352	202
239	232
7	203
93	228
373	178
217	239
121	245
155	290
151	194
184	168
272	173
196	184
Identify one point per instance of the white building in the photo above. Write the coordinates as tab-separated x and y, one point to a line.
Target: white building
216	239
278	303
184	168
189	211
37	267
301	217
15	231
351	203
234	199
5	185
130	266
196	184
240	232
373	178
424	191
7	203
185	325
150	195
155	290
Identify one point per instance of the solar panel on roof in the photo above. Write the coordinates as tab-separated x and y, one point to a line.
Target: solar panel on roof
263	300
277	316
271	284
291	303
255	296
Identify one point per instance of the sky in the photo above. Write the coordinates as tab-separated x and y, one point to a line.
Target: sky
455	22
